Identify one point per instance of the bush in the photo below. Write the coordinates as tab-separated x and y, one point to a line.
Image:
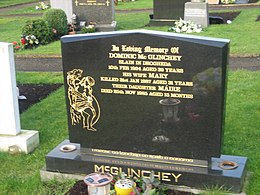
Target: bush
57	19
40	29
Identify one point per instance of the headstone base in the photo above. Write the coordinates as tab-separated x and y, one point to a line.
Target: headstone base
171	174
106	27
26	141
161	22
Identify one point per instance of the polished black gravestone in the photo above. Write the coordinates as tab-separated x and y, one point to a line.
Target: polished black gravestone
147	100
166	12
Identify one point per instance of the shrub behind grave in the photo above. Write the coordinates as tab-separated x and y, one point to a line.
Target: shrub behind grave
40	29
57	19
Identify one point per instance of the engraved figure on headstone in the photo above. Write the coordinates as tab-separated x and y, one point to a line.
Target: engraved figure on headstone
82	100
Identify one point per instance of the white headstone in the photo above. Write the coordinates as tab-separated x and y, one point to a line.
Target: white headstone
12	138
65	5
9	112
197	12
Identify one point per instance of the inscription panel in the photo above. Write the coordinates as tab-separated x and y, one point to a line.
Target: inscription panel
146	92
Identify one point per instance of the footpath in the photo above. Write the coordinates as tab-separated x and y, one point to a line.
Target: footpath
54	63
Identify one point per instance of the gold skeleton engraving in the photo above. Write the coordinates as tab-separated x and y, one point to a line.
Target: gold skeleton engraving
83	104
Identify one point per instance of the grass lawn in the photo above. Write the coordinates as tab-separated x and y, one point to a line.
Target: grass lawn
244	32
25	10
4	3
20	173
138	4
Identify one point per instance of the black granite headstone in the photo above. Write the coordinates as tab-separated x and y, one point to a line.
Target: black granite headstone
165	12
145	97
146	92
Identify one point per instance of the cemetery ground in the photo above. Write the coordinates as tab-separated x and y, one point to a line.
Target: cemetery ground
20	172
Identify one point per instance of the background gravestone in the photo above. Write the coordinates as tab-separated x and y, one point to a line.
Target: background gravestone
146	100
197	12
165	12
98	11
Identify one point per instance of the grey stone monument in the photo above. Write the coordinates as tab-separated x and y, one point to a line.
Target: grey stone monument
166	12
197	12
100	12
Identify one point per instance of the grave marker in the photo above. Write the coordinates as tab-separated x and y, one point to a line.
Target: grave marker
166	12
11	135
144	100
99	11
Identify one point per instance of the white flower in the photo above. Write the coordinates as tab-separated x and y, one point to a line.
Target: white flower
229	21
184	28
178	30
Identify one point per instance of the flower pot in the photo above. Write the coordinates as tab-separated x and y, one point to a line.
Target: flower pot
72	33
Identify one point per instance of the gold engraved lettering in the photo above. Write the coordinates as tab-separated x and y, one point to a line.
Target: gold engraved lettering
183	83
169	88
175	50
156	94
106	91
130	92
179	95
176	177
164	57
109	79
122	55
174	70
117	91
142	87
83	104
134	80
120	86
112	67
144	93
115	48
160	82
157	75
150	69
149	49
141	57
165	176
126	62
126	48
140	75
127	74
124	68
155	63
148	81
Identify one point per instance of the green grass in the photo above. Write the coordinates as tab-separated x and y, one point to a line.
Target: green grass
240	32
25	10
11	28
138	4
4	3
20	173
244	32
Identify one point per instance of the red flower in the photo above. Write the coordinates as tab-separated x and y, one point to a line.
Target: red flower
14	43
131	193
17	47
23	41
